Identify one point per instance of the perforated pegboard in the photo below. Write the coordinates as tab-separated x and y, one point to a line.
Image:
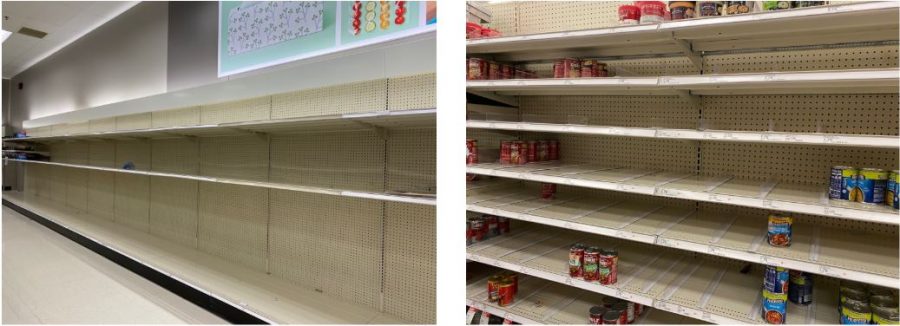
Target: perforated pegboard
545	17
58	185
240	157
642	67
101	194
232	223
869	227
662	154
173	209
410	273
874	114
504	16
177	117
823	58
76	189
412	92
103	125
625	111
410	161
40	131
134	121
102	153
181	155
349	160
132	201
236	111
365	96
134	151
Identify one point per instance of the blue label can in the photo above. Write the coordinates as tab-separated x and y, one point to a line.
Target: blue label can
871	184
774	307
776	280
837	188
800	290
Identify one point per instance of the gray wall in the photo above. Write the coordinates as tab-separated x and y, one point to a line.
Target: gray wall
193	39
4	106
125	58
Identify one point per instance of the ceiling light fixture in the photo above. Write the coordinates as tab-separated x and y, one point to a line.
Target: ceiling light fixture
4	35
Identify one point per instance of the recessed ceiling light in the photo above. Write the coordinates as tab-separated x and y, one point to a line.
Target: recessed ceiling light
4	35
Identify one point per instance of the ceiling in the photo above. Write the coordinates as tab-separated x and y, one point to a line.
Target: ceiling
63	21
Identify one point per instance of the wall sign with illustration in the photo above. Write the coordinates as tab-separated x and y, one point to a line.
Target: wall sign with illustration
258	34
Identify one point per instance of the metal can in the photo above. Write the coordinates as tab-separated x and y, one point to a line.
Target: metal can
592	264
837	188
631	309
552	150
506	293
612	317
576	260
871	184
493	228
800	290
559	69
609	302
512	278
588	68
608	265
493	71
471	151
574	68
885	310
542	151
469	233
804	4
596	315
548	190
893	183
503	224
532	150
774	307
852	290
514	152
738	7
523	152
855	312
621	308
780	230
478	69
776	280
638	308
477	229
493	285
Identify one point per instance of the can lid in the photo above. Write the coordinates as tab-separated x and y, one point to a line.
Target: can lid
610	252
597	310
612	315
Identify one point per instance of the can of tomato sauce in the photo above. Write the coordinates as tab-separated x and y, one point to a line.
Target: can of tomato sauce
780	230
514	152
574	70
592	264
596	315
548	190
506	293
523	152
576	260
559	69
477	232
625	316
493	286
532	150
608	266
512	278
503	224
469	239
493	70
612	317
471	151
505	153
507	72
478	69
588	68
493	227
542	151
552	150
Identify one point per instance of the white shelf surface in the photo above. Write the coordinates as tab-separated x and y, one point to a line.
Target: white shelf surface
402	198
861	81
816	249
816	25
543	302
269	298
772	195
25	152
339	122
702	288
882	141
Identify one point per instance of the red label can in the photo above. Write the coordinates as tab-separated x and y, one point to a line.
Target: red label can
547	190
493	285
576	260
493	228
542	151
504	224
493	70
471	151
507	294
477	232
505	152
512	278
596	315
638	309
532	150
514	152
559	69
468	232
608	269
478	69
553	150
591	264
523	152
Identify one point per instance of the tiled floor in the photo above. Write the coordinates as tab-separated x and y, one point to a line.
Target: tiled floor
48	279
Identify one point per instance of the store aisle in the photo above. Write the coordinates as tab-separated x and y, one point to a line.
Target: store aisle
50	279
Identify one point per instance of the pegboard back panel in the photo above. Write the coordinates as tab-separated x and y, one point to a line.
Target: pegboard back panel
132	201
821	58
236	111
58	152
103	125
239	157
411	163
37	180
410	271
295	232
233	223
662	154
412	92
102	153
642	67
41	131
349	160
101	194
870	114
173	209
176	155
545	17
504	16
78	152
625	111
488	142
365	96
77	189
134	151
762	214
58	185
134	121
802	164
176	118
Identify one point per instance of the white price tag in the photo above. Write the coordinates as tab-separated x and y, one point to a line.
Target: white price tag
833	212
662	242
769	203
569	281
824	270
670	192
719	198
835	140
712	250
763	260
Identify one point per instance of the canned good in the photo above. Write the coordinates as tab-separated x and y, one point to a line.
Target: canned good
493	285
553	150
493	228
774	307
800	290
871	185
612	317
651	11
469	233
493	71
632	311
542	151
506	72
532	150
609	302
709	8
506	293
855	312
477	229
638	308
853	291
523	152
776	5
512	278
514	152
885	310
622	308
629	15
471	151
839	176
478	69
574	68
780	230
591	264
738	7
505	152
608	265
503	224
893	184
681	9
548	190
596	315
776	280
804	4
576	260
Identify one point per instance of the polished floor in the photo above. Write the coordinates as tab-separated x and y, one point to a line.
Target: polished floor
48	279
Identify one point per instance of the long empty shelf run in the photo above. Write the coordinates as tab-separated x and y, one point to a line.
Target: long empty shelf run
543	302
262	295
423	199
781	196
861	81
326	123
883	141
705	288
815	248
831	25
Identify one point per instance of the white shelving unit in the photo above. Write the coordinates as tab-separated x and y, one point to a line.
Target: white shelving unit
708	126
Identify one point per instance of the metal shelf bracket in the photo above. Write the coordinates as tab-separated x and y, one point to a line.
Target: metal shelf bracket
689	52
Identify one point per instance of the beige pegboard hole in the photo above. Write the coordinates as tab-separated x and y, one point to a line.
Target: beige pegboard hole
176	118
411	162
410	271
625	111
365	96
883	56
253	109
661	154
412	92
544	17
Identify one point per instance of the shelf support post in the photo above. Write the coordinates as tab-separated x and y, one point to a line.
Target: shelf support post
685	94
689	52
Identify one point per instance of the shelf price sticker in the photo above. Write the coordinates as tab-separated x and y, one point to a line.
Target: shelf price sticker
831	139
719	198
